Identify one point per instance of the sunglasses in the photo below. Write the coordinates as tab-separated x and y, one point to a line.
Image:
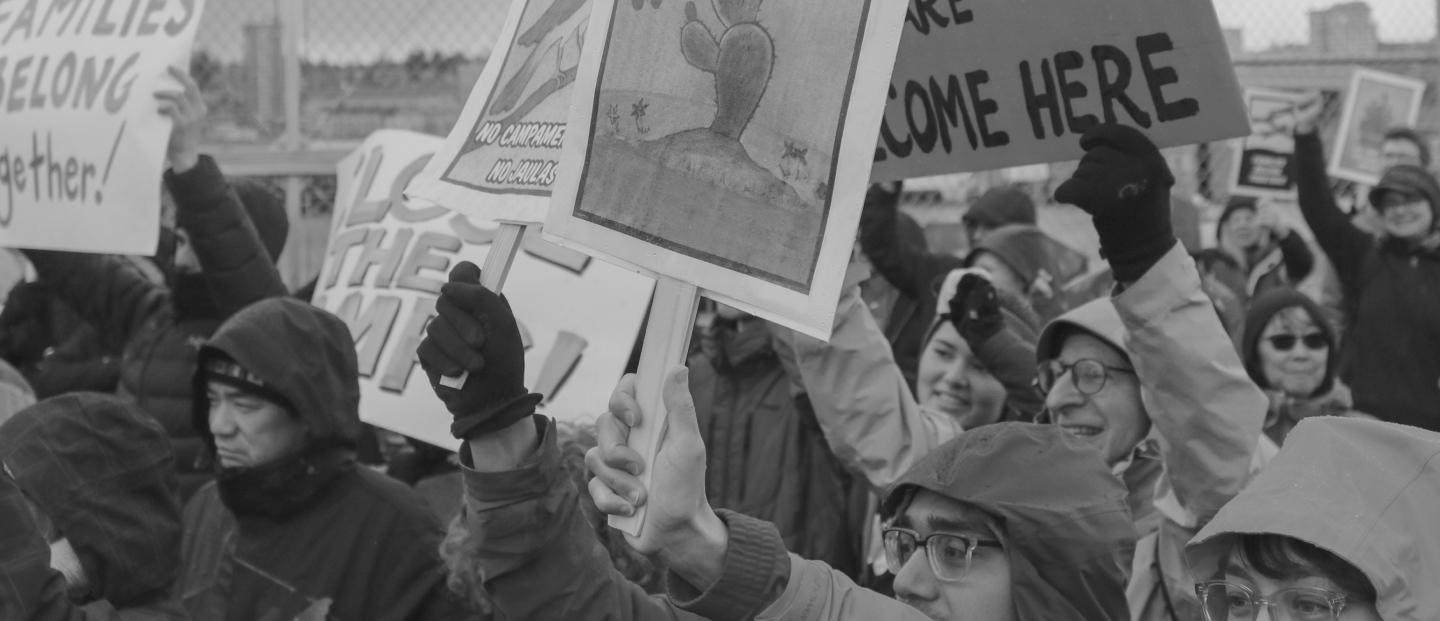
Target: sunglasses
1314	341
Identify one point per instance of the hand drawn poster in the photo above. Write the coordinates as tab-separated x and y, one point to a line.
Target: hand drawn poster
387	258
987	84
1375	103
501	159
82	141
1264	161
727	143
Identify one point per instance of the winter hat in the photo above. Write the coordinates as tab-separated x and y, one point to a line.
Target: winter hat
1066	525
1001	206
220	367
1412	180
1236	203
102	470
1020	319
1037	259
267	213
1262	309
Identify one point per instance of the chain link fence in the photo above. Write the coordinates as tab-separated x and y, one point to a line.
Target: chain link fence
409	64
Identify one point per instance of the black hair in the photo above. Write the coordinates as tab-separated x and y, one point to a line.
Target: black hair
1279	557
1412	136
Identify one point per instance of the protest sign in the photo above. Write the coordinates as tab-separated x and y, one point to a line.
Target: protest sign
1264	161
388	257
82	142
1375	103
986	84
501	159
730	155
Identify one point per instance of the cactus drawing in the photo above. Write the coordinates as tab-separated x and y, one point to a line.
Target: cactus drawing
793	164
741	59
637	110
613	115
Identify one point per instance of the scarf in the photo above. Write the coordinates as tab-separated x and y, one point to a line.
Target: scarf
285	487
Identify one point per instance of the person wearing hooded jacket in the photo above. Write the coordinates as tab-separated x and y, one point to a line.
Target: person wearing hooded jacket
1346	513
225	261
291	525
1045	543
1391	354
91	514
1164	395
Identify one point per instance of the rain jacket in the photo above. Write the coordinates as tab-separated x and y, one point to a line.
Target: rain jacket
160	341
1066	529
322	534
541	559
1391	354
102	470
766	457
1205	412
1364	490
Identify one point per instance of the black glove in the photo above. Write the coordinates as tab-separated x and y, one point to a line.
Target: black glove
975	311
1124	184
474	330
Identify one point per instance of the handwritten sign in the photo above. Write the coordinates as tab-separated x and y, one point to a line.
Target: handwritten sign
1264	161
503	155
986	84
82	144
388	257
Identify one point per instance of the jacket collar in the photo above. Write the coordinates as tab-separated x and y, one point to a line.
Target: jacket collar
281	489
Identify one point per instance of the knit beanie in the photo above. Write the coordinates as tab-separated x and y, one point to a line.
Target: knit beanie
267	213
1001	206
1407	179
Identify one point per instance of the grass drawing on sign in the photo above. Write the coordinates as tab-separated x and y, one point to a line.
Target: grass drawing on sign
694	171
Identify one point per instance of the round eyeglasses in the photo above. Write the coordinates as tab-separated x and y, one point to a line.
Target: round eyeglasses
1228	601
1089	376
950	555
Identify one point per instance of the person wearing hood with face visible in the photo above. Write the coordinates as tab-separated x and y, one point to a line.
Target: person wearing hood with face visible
228	237
1339	527
91	514
1391	354
1291	353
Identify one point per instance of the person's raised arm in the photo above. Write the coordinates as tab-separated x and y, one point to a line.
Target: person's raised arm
1343	242
907	268
102	290
234	261
1206	410
538	554
976	312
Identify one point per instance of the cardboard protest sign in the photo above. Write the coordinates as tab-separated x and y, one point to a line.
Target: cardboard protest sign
388	257
82	143
732	152
986	84
1375	103
1264	160
502	157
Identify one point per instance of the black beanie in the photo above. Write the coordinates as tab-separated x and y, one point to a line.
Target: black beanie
267	213
1408	179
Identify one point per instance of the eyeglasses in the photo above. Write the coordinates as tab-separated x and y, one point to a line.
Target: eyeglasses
1227	601
1089	376
1314	341
950	555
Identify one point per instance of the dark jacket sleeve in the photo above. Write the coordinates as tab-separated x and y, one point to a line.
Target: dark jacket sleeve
29	589
541	559
1298	258
235	262
106	293
1344	243
911	270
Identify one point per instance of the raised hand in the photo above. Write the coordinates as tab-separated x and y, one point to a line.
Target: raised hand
474	330
975	310
186	109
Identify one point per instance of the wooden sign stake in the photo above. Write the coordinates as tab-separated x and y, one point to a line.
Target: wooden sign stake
492	275
667	339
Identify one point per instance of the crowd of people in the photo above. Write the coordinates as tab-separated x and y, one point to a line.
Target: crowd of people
1180	434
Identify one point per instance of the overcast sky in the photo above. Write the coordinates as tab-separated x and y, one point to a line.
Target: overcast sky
361	30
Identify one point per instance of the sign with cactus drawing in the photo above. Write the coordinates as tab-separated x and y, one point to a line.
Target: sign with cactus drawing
986	84
727	143
502	157
1375	102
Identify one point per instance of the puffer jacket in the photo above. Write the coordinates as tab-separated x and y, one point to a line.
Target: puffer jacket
1363	490
1063	521
102	471
1391	354
320	534
162	328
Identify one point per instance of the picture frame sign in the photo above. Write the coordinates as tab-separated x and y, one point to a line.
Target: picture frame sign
1263	165
1374	103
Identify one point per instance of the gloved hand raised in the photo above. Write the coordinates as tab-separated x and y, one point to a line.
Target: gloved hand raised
975	310
475	331
1124	184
